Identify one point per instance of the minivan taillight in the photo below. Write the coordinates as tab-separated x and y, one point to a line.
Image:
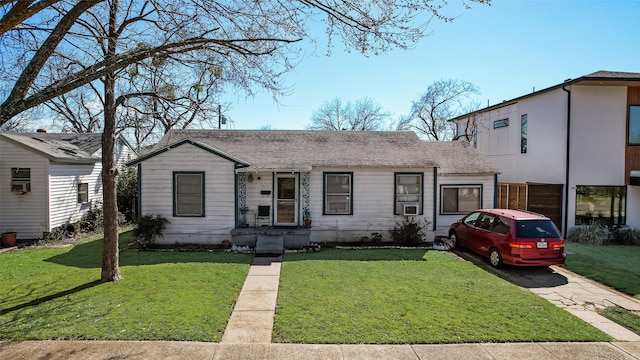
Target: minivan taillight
520	245
558	246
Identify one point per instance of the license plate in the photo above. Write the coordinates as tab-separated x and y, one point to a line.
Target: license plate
542	245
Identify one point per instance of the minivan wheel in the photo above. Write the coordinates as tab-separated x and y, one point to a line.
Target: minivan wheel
495	258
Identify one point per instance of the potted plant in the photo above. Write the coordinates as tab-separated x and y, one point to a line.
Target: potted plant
226	244
9	238
306	218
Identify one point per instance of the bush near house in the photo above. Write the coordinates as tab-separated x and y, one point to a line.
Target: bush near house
408	233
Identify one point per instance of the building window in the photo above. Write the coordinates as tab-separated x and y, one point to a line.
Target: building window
523	134
188	194
338	188
457	199
500	123
634	125
83	193
605	205
408	191
21	180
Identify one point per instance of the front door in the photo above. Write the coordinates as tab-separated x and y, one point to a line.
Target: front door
286	209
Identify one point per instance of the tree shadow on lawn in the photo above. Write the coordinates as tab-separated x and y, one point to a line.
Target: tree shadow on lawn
88	255
526	277
43	299
360	255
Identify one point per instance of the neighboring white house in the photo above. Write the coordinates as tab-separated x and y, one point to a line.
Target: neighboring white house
213	185
47	180
571	151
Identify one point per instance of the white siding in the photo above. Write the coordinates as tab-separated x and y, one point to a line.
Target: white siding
488	193
633	206
598	140
598	135
64	180
373	204
25	214
157	195
544	160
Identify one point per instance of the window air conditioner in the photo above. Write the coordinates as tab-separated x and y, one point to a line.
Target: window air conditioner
410	210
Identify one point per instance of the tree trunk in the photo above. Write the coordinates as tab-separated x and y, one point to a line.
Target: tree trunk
110	270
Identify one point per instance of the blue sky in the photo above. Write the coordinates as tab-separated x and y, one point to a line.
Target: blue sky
506	49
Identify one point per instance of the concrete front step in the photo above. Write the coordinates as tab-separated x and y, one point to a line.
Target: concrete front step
269	245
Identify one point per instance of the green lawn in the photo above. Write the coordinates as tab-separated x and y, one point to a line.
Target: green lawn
52	293
409	296
615	265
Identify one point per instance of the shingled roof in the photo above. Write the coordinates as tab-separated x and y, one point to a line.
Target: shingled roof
298	150
71	147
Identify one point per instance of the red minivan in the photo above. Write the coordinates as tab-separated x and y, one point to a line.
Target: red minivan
510	237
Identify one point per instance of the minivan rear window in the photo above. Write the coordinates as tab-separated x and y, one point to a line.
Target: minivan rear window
529	229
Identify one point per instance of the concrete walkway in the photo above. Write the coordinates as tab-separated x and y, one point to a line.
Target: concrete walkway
251	321
248	333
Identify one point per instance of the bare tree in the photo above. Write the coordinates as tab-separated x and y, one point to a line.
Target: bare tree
364	114
250	40
443	100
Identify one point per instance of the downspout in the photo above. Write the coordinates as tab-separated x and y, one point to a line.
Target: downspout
435	197
495	191
567	163
139	190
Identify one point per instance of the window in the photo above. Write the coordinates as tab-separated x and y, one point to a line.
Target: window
634	125
21	180
460	199
338	188
523	134
500	123
408	191
188	194
605	205
83	193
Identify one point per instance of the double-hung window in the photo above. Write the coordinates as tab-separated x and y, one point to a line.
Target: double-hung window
408	191
21	180
188	194
459	199
83	193
338	190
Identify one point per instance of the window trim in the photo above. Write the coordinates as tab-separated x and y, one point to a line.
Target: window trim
20	180
85	192
175	189
498	124
395	191
524	133
324	191
459	186
636	106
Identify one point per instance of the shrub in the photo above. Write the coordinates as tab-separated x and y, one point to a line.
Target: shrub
149	228
92	220
408	233
593	234
625	235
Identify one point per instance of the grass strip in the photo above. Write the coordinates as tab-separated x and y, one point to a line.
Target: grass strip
624	317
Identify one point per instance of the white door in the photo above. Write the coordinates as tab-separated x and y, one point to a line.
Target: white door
286	207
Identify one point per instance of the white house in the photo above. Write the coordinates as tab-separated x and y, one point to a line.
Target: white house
570	151
47	180
214	185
